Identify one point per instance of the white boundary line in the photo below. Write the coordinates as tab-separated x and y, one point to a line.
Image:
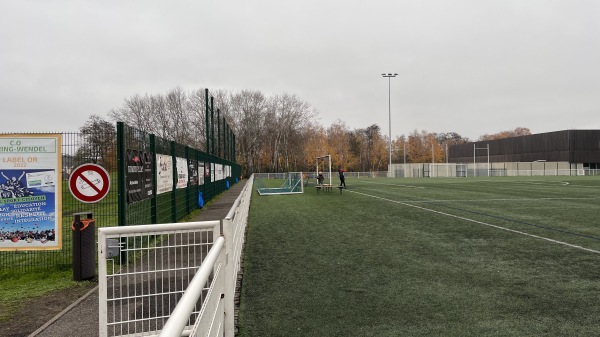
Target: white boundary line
482	223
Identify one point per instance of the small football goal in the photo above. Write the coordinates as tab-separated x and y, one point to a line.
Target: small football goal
324	166
286	183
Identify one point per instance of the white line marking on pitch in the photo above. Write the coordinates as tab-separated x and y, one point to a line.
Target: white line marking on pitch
489	200
481	223
395	185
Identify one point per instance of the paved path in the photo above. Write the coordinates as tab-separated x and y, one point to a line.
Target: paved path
81	317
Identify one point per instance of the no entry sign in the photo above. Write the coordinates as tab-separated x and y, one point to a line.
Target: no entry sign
89	183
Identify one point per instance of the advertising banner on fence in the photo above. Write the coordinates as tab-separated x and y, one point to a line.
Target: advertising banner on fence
164	173
30	192
139	175
182	172
219	172
203	168
193	171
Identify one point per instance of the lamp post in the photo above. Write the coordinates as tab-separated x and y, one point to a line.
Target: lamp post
389	77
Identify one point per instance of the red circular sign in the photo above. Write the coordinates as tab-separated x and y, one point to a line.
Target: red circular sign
89	183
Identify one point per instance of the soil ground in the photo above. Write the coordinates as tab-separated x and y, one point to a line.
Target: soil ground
37	311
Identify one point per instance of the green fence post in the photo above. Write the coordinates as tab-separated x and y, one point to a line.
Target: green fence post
207	123
153	200
219	133
121	176
174	182
188	188
212	125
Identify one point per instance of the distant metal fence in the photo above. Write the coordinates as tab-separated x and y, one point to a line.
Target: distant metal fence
438	170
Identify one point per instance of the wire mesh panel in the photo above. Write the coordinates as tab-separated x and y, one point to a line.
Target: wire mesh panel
144	272
136	149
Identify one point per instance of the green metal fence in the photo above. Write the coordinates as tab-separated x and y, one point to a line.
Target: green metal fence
114	153
170	206
75	151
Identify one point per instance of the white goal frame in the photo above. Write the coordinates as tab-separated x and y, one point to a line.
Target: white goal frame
324	159
289	186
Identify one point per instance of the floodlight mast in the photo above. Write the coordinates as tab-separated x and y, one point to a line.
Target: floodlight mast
389	77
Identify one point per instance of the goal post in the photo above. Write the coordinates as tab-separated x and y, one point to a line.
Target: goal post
438	170
324	165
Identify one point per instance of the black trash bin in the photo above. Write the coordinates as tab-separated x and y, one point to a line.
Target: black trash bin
84	246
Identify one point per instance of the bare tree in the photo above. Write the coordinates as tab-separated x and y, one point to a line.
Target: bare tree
135	112
289	117
248	111
99	144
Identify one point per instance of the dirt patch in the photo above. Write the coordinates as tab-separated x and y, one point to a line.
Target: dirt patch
37	311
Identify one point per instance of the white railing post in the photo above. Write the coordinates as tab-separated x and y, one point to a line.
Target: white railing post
102	293
230	274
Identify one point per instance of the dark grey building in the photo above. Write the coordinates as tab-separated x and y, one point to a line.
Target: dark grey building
572	146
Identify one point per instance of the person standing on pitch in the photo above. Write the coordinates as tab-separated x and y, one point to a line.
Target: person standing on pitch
320	178
342	178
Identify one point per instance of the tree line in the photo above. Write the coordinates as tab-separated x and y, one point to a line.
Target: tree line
276	133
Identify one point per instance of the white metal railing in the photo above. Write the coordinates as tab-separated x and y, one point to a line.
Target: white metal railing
234	228
212	315
174	279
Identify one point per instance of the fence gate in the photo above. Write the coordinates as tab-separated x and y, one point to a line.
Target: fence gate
148	268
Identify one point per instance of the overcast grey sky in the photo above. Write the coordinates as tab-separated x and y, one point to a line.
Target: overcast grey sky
471	67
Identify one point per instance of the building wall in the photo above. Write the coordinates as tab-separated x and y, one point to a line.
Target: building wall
585	146
573	146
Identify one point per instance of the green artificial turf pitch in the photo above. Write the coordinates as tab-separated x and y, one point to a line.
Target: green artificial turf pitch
510	256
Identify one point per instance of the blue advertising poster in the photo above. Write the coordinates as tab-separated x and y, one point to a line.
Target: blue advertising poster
30	192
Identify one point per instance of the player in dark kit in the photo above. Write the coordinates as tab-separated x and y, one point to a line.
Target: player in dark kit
342	178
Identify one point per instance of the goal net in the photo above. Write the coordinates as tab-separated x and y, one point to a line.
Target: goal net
447	170
290	183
